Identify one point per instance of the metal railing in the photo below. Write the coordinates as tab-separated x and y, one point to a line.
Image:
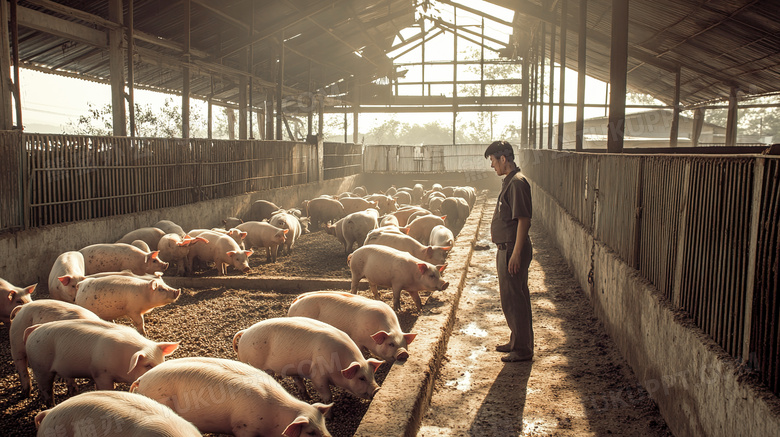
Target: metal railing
66	178
424	159
704	230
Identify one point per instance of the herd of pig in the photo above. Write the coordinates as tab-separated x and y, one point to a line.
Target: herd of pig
403	237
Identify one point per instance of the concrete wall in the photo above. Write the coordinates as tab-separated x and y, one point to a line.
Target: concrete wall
699	389
26	257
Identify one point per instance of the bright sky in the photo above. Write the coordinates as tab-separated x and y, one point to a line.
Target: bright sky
49	102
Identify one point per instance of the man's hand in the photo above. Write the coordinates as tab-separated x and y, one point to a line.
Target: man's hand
514	263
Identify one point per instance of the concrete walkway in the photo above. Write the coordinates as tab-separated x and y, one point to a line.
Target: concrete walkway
578	384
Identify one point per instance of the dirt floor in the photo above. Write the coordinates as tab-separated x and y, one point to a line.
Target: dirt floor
577	384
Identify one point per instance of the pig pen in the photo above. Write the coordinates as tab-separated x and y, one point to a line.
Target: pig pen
211	309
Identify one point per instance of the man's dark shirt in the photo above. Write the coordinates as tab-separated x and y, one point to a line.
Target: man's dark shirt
514	202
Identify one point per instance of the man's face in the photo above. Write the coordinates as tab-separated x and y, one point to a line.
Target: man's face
497	164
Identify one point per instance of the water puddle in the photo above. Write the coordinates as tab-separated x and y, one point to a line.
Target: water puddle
480	291
473	330
476	353
463	383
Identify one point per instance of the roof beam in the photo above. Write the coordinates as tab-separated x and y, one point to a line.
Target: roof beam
477	12
450	27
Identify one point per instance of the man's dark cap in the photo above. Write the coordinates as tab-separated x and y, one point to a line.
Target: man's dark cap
500	148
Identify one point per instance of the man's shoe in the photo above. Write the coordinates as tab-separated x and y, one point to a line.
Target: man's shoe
515	356
503	347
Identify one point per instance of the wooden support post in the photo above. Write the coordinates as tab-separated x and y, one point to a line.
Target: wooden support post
6	103
320	145
250	67
581	64
542	55
15	54
269	114
562	95
682	235
231	123
454	75
755	224
618	69
242	105
698	122
117	67
130	68
552	86
279	85
674	131
355	112
185	90
210	116
524	104
732	118
310	113
532	112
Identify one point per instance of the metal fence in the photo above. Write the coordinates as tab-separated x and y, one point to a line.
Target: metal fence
703	229
68	178
342	159
424	158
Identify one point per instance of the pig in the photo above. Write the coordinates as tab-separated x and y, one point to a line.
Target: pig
391	191
403	214
337	230
34	313
255	403
457	211
150	236
448	191
141	244
11	297
222	250
236	234
231	222
123	414
263	234
120	256
360	190
290	222
403	198
433	254
355	204
356	226
322	210
67	270
434	206
170	227
416	214
112	297
429	196
385	204
262	210
103	351
174	249
420	228
306	348
441	236
388	267
389	220
417	193
370	324
466	193
346	194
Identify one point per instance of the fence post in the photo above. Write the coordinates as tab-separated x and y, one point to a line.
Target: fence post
638	215
755	214
24	198
682	229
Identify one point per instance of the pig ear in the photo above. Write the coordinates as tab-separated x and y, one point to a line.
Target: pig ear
446	248
444	217
134	360
441	268
409	337
249	252
351	371
11	295
30	289
380	337
155	254
285	231
423	267
294	429
168	348
153	285
375	363
231	253
242	235
428	250
14	311
405	230
323	408
65	280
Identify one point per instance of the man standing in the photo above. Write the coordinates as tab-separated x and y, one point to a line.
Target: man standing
509	230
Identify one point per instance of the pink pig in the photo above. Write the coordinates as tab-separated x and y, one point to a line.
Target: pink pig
435	255
103	351
112	297
11	297
388	267
420	228
151	236
34	313
264	234
244	401
120	256
222	250
119	413
174	249
306	348
370	324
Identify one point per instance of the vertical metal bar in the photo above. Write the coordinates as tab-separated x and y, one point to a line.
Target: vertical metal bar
552	85
674	131
185	91
542	54
755	215
581	64
732	119
617	76
251	66
15	50
310	114
116	69
639	206
524	103
130	68
210	111
279	86
562	95
454	75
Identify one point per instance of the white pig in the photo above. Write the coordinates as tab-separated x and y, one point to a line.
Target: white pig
120	256
435	255
288	221
306	348
403	214
264	234
234	233
103	351
246	401
388	267
222	250
170	227
141	244
119	413
370	324
67	270
150	236
34	313
355	204
174	249
441	236
420	228
112	297
11	297
385	204
354	228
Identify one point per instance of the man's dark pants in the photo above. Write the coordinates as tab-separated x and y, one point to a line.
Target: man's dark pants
516	299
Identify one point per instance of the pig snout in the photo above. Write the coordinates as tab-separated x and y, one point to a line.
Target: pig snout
443	286
246	269
371	396
402	355
176	293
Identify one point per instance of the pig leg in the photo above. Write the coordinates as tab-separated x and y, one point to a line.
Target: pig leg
355	281
274	252
301	387
375	290
73	388
138	322
416	298
267	254
45	380
24	374
397	299
104	381
323	387
221	268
